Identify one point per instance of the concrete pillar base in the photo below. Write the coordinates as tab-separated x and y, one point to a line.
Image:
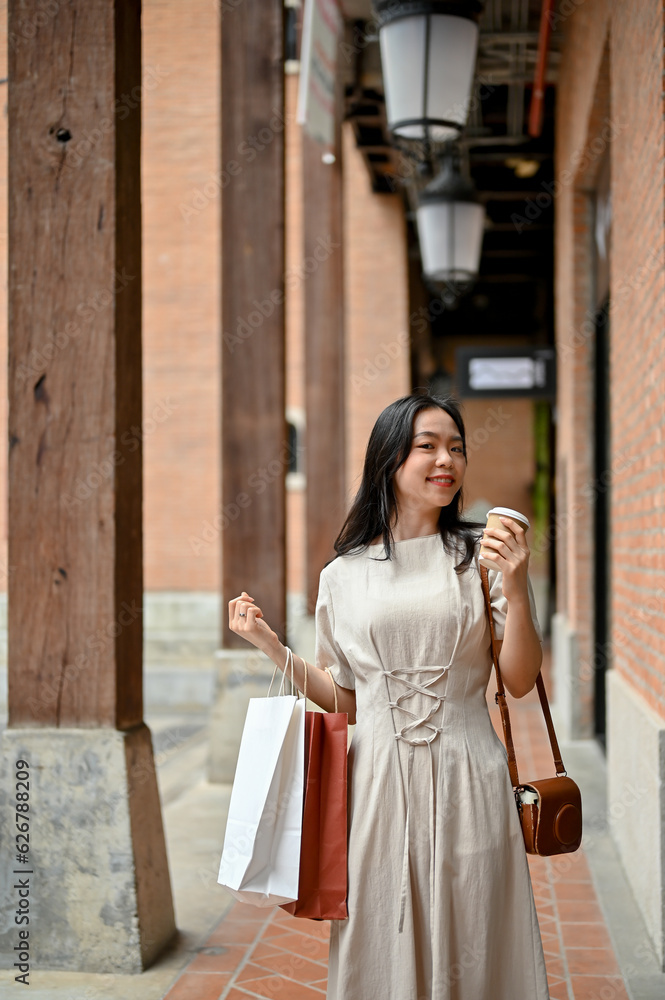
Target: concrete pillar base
565	663
99	892
241	674
636	799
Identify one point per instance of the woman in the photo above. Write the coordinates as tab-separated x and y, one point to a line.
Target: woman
440	900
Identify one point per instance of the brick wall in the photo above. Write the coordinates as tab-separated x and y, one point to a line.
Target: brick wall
584	46
181	213
610	102
638	348
376	305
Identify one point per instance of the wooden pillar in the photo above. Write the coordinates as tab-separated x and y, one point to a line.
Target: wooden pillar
75	371
255	445
324	358
254	436
75	485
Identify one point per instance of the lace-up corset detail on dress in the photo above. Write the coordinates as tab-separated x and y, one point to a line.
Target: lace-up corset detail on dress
430	689
401	674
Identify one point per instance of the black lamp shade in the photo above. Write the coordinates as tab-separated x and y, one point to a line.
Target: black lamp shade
428	54
450	222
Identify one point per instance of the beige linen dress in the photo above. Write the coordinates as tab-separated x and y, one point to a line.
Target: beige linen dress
440	900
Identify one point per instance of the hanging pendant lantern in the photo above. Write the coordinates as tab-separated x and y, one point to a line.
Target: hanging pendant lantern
428	55
450	223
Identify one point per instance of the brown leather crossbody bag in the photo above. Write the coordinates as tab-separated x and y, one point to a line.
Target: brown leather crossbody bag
550	809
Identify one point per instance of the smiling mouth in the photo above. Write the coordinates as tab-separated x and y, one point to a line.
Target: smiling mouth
441	480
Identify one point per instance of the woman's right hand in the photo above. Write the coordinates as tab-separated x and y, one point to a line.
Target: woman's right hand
246	619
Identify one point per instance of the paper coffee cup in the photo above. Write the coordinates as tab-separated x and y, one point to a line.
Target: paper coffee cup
493	521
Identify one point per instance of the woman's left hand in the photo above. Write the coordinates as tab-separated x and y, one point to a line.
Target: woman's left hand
510	555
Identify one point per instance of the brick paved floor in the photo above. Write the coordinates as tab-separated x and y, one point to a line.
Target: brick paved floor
269	954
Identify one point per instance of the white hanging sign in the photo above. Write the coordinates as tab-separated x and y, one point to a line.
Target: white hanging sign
321	36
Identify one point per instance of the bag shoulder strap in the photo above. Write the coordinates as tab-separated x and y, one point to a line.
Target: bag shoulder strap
500	696
554	743
503	706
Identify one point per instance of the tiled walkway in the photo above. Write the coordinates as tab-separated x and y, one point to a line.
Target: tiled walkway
273	955
269	954
581	964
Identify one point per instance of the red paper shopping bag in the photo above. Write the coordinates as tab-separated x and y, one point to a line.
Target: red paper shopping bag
322	884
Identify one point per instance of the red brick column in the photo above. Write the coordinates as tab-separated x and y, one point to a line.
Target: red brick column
583	138
610	102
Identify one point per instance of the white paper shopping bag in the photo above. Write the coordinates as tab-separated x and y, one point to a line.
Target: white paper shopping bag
261	856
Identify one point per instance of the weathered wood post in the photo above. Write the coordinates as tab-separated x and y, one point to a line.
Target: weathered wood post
100	896
324	358
255	448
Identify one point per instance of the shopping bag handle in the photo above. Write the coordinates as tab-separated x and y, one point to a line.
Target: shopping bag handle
334	684
332	679
289	660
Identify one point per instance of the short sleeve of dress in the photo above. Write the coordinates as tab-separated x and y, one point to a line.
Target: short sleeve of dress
500	604
328	653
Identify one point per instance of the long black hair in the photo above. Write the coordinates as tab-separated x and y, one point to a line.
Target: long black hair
375	504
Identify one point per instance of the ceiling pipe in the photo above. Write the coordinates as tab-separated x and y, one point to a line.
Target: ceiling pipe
538	93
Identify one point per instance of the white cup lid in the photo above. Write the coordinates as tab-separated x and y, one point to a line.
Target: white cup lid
508	512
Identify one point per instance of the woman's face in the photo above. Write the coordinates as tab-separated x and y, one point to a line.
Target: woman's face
434	469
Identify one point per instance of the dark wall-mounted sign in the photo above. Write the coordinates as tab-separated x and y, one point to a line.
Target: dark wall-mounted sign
528	372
